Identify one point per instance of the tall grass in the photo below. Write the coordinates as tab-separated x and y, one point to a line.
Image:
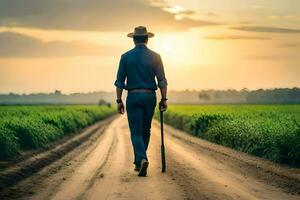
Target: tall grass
268	131
33	127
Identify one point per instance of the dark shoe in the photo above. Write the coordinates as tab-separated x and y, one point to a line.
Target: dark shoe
137	168
144	166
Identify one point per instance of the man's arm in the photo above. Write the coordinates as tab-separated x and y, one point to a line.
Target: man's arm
121	108
163	102
163	92
160	74
119	92
162	84
121	74
120	85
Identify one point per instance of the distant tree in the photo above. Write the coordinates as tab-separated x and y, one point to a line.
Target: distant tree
102	102
245	90
58	92
204	96
217	96
277	95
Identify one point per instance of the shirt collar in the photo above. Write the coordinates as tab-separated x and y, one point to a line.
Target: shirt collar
141	45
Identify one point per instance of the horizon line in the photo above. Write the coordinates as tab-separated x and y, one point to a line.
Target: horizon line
171	90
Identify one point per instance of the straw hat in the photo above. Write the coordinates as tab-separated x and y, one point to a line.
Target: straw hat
140	31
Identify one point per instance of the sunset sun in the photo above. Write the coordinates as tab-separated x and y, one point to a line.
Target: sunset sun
167	47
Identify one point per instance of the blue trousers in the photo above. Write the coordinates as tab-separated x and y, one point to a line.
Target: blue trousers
140	109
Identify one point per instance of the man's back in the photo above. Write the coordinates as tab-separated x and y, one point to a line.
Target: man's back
140	66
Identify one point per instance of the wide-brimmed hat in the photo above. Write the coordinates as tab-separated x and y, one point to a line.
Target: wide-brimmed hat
140	31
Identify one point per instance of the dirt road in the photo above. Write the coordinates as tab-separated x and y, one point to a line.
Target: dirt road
102	169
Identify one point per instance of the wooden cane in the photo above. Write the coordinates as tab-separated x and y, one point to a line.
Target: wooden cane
163	158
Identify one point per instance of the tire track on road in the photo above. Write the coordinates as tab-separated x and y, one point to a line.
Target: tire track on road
121	182
85	174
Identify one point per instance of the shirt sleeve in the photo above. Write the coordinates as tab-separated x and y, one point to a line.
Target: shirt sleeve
160	74
121	75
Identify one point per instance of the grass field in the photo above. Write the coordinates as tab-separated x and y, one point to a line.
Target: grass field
31	127
269	131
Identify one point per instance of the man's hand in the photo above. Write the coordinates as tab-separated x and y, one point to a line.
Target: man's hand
163	105
121	109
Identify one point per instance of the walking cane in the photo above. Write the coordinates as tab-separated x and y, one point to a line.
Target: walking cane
163	158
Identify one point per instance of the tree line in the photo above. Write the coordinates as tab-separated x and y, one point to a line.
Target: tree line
277	95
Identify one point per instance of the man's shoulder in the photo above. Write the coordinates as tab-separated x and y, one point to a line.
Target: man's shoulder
131	52
154	53
127	53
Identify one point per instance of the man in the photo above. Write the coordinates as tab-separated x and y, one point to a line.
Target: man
139	67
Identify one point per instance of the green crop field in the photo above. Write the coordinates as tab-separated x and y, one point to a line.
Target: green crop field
269	131
32	127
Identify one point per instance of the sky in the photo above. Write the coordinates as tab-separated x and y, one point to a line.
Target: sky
75	45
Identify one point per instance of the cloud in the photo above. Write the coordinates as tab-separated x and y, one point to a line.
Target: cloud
179	10
160	3
289	45
271	57
212	14
285	17
18	45
92	15
266	29
245	22
257	6
236	37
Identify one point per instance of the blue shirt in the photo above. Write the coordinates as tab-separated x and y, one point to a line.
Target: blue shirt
139	67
